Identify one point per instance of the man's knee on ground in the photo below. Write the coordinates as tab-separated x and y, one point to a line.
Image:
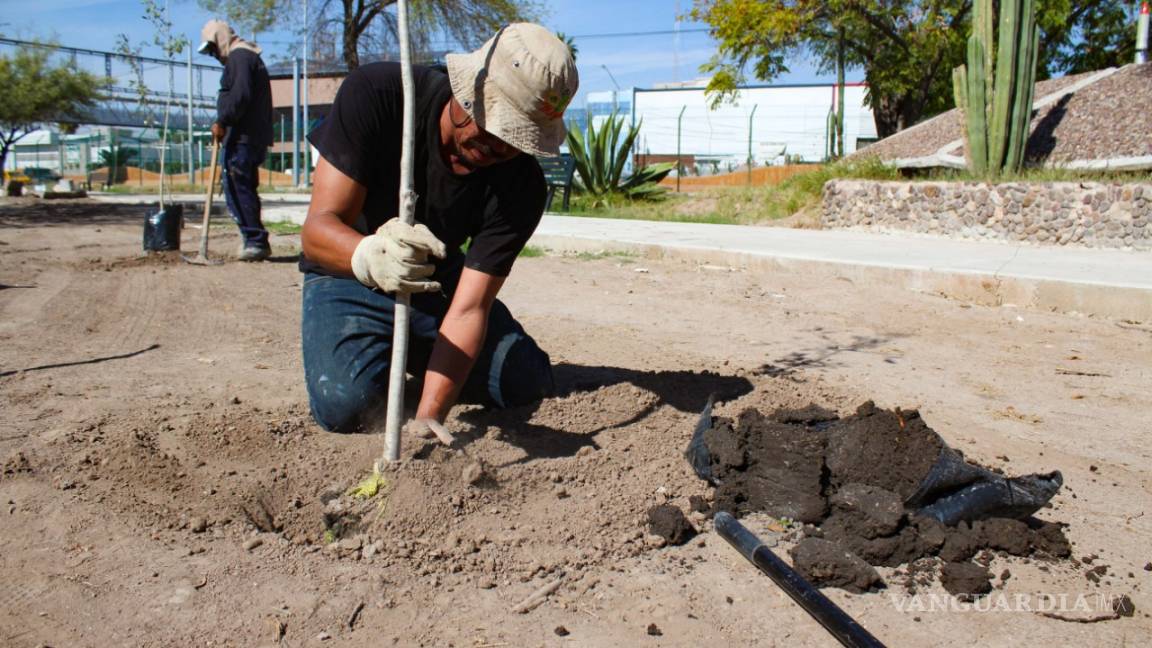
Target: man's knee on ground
526	373
341	408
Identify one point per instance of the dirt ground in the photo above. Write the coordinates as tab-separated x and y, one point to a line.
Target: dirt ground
162	483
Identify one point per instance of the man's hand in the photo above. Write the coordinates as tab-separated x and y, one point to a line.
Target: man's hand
426	428
395	258
217	132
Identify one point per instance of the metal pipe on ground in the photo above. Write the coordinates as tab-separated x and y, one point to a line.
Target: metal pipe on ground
836	621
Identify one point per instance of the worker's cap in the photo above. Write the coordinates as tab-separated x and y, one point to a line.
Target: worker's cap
517	85
212	34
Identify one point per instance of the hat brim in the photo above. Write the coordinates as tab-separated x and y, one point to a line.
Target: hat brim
205	47
496	114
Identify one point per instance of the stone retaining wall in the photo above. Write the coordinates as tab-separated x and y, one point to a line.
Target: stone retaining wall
1089	214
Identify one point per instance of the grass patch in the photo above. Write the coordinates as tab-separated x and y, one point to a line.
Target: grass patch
735	205
283	227
1036	175
531	251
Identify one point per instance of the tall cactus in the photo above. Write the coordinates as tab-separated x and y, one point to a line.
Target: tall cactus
995	89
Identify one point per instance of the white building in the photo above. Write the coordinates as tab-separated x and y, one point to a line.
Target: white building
778	120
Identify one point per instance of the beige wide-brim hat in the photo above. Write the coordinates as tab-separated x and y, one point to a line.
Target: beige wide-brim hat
517	85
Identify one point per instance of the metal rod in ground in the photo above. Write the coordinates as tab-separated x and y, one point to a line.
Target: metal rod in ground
408	215
836	621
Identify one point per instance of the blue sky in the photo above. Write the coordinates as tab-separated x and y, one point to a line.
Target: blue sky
634	61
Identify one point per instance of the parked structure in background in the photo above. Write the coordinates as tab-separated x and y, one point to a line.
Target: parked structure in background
598	106
767	125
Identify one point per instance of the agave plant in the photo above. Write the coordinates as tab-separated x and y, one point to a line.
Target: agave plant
601	154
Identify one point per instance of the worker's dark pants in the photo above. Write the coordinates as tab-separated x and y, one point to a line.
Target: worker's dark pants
347	343
241	177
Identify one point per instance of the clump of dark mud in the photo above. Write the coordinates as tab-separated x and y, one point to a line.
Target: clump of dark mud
831	565
765	464
669	523
966	580
871	485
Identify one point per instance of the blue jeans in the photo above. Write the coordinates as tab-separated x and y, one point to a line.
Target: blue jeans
241	177
347	345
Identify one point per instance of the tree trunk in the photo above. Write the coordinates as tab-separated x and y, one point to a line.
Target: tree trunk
886	115
894	114
351	39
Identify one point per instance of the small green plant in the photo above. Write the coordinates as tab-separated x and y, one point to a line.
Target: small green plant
530	251
601	155
329	536
369	486
283	227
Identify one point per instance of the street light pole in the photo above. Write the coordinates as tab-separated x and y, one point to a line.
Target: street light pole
306	175
614	92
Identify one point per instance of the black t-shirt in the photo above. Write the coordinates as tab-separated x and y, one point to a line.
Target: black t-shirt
496	208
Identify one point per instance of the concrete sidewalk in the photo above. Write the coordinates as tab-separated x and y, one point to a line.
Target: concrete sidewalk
1110	283
1107	283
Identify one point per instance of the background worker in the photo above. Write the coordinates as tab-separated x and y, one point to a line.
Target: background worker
244	125
477	128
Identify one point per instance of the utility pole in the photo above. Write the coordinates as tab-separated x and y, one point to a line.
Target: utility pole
296	121
679	164
306	176
840	95
614	92
191	162
676	45
1142	34
754	107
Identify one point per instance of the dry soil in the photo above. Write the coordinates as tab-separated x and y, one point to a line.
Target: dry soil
162	484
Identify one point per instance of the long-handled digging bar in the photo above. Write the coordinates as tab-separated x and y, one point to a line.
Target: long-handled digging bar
835	620
201	257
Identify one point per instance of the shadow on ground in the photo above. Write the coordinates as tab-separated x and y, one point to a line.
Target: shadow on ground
31	212
685	391
827	355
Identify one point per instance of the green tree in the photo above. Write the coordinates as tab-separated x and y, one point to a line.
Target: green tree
116	156
250	17
36	92
906	48
1085	35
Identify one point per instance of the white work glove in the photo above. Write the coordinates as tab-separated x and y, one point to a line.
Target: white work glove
395	258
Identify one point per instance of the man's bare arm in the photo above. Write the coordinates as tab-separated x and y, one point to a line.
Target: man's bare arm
328	237
461	338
